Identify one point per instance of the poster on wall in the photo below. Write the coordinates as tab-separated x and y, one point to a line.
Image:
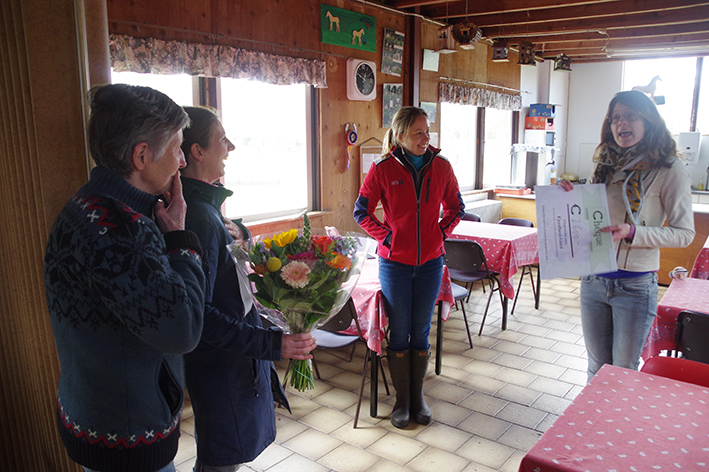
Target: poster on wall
430	108
392	52
347	28
392	100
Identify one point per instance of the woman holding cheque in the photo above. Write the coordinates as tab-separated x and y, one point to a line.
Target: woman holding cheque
647	186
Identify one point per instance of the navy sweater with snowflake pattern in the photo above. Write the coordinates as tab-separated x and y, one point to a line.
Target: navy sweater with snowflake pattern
125	303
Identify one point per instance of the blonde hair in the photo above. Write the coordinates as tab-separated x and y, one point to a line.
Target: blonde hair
401	123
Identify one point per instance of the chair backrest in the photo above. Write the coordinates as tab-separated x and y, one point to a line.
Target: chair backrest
678	369
343	319
464	255
467	216
516	222
692	334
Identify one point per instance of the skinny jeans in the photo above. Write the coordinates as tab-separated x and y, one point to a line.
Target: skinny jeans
410	294
616	315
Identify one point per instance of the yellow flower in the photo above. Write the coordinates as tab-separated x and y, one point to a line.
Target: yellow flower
285	238
273	264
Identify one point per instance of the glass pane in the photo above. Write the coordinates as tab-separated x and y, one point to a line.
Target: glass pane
268	171
703	107
178	87
458	132
498	142
676	85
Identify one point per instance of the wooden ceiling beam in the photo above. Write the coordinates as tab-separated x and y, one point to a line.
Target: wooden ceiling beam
498	6
657	19
615	34
456	12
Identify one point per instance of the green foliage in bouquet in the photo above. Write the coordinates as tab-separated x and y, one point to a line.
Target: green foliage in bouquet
300	276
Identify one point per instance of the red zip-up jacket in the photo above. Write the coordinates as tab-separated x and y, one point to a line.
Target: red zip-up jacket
412	231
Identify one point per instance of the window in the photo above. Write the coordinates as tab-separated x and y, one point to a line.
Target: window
703	111
498	142
458	138
269	169
178	87
676	85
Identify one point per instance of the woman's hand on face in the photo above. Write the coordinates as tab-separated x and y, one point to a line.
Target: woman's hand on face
172	218
620	231
566	185
298	346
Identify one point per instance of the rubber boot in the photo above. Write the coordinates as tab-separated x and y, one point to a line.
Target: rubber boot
399	370
420	412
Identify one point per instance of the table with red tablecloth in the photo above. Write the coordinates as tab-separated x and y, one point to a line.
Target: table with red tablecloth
700	269
625	420
506	248
682	294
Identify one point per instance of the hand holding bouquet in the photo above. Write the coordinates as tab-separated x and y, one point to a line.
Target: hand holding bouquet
302	279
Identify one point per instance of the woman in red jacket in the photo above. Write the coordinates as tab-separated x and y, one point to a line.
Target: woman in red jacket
412	181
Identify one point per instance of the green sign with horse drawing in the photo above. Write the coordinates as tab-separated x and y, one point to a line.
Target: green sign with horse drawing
347	28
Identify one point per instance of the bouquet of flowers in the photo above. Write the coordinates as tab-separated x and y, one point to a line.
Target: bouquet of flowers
301	280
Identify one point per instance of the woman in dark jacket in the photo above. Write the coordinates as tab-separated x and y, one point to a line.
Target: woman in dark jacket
228	375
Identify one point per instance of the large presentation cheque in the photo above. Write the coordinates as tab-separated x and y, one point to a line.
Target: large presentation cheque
571	243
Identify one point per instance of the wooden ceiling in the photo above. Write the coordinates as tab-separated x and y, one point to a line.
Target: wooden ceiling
586	31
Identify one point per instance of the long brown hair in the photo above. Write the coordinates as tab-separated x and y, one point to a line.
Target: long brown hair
657	143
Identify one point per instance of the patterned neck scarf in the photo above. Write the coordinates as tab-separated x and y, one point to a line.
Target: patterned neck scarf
612	159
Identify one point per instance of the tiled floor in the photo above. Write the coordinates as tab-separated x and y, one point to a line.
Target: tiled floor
490	404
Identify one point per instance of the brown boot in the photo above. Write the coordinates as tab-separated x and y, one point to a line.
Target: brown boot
420	412
399	370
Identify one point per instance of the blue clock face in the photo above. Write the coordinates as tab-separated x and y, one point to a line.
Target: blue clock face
365	79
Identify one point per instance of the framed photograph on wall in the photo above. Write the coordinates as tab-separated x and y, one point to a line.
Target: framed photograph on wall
392	52
431	108
392	100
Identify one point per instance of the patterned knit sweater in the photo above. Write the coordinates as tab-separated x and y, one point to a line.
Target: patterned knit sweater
125	303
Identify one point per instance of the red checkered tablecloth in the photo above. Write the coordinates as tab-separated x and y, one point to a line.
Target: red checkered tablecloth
506	248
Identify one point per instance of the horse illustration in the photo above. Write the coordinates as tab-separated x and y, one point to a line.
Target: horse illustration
333	20
649	88
357	35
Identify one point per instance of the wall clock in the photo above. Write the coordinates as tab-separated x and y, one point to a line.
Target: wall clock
361	80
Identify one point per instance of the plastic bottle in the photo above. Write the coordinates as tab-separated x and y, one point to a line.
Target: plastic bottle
700	185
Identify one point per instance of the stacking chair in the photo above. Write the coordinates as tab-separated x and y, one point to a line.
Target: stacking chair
466	263
678	369
468	216
527	269
691	336
460	293
328	336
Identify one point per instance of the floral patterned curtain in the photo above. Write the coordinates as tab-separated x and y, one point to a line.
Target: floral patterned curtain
155	56
479	97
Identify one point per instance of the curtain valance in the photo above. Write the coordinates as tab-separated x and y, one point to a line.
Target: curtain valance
155	56
451	93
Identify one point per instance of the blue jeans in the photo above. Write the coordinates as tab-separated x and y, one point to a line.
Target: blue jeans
410	294
168	468
616	315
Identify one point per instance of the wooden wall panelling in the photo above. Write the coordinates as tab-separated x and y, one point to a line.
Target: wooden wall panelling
340	187
42	141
